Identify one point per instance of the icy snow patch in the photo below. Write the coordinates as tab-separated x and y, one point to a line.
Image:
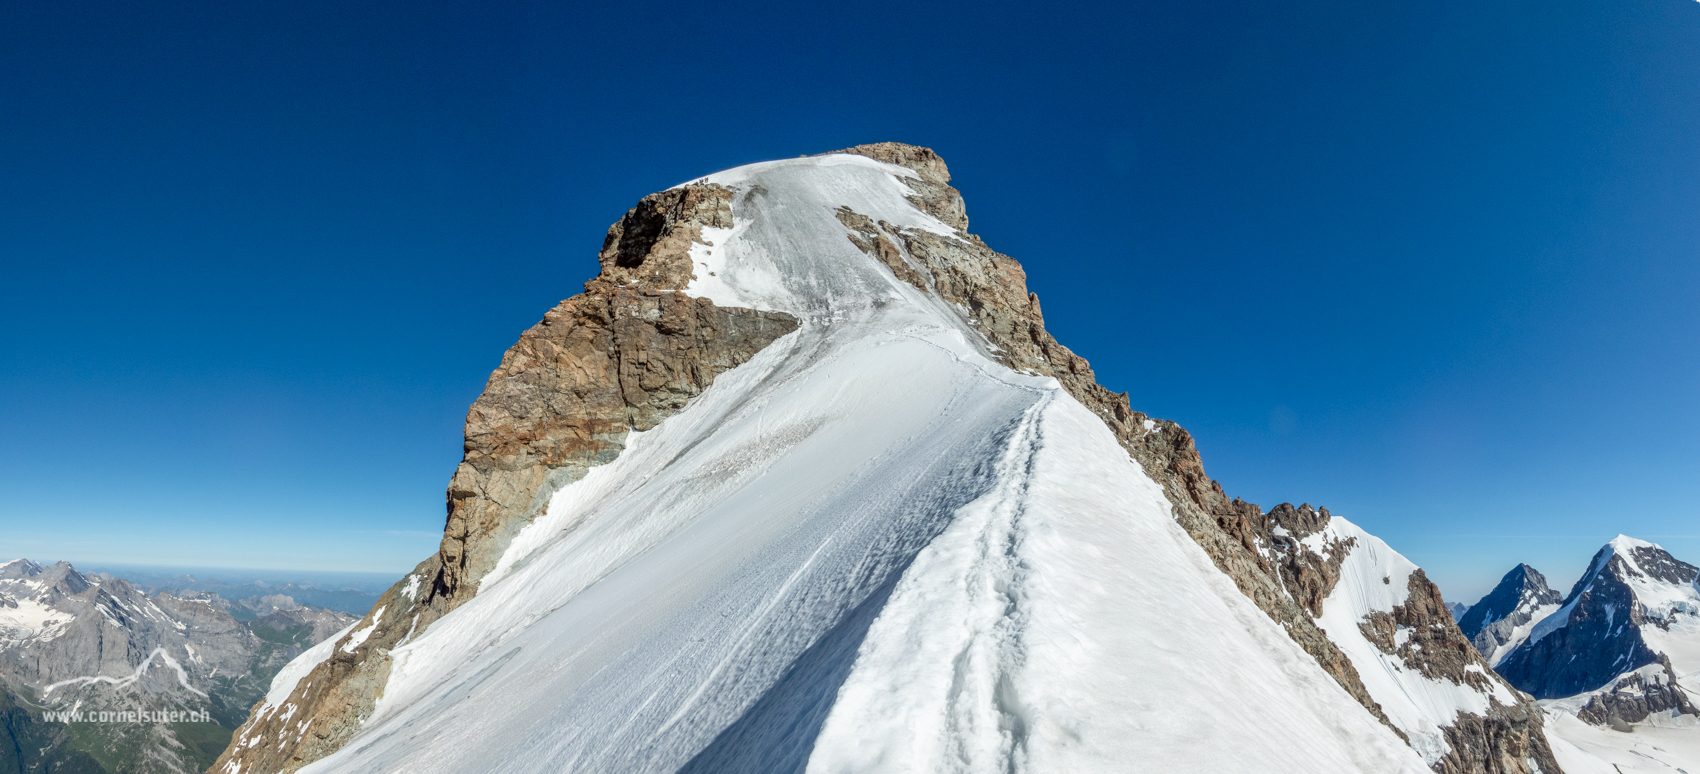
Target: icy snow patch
30	620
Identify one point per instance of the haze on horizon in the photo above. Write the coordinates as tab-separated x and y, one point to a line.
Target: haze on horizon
1432	266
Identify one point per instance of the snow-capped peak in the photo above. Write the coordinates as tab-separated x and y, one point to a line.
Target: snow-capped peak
1505	618
1635	604
1624	542
872	547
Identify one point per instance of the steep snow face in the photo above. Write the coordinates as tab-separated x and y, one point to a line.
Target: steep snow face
870	548
1375	579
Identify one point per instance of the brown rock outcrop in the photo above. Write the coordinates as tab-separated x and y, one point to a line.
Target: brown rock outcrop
1632	698
1503	740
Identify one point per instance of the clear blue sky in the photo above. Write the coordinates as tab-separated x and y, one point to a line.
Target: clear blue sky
1434	265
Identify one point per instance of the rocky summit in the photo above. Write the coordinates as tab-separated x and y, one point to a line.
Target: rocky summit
1503	619
1635	605
801	482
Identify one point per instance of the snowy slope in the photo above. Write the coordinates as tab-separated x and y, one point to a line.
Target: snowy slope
1584	749
870	548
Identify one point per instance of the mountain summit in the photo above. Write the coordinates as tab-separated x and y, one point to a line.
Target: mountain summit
801	483
1502	620
1635	604
1625	645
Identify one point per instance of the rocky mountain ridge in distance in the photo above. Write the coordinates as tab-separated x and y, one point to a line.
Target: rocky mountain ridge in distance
95	643
1624	646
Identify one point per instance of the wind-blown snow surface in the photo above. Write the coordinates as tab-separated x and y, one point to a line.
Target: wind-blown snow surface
870	548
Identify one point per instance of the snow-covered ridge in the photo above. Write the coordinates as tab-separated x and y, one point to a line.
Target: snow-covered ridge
869	548
1660	595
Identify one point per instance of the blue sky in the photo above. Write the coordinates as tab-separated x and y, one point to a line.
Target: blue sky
1433	265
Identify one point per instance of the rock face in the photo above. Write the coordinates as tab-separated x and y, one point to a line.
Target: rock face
96	643
623	355
1503	619
1635	696
632	350
628	352
1636	608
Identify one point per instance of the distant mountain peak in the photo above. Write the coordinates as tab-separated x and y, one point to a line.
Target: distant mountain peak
19	568
75	642
1636	606
1650	560
1503	619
